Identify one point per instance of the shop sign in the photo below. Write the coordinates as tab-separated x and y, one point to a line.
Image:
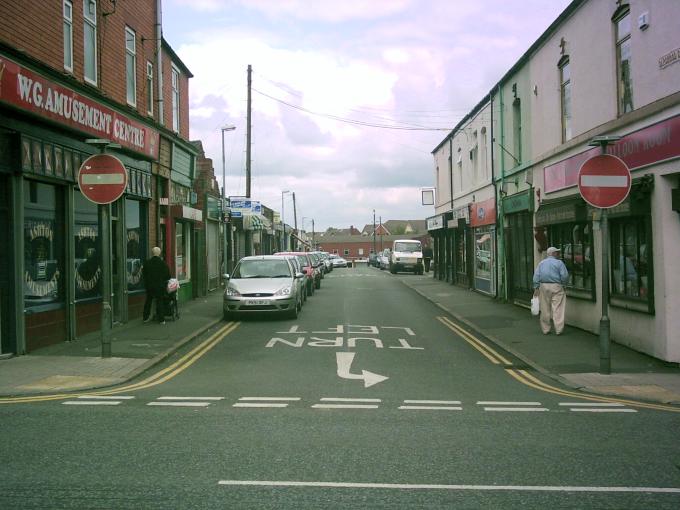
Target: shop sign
31	92
669	58
461	213
435	222
187	213
483	213
647	146
518	202
213	208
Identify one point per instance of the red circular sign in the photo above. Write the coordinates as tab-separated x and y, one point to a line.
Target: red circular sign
102	178
604	181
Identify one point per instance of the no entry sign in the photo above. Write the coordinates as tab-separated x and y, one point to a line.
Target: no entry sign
604	181
102	178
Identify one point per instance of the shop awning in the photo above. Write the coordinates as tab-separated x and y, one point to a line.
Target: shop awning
256	222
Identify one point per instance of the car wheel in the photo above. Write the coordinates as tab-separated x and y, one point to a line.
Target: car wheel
317	283
310	287
293	314
393	269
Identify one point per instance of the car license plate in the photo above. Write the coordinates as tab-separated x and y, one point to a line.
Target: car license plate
256	302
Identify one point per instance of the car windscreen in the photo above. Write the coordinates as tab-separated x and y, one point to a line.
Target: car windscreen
262	269
304	262
407	247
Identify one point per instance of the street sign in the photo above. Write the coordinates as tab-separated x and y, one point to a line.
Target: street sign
604	181
102	178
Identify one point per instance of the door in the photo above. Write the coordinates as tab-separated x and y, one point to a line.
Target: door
520	257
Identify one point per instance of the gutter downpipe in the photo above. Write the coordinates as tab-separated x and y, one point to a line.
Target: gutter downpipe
159	61
501	213
495	192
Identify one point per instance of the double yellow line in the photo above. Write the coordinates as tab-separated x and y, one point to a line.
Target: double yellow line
529	380
489	353
158	378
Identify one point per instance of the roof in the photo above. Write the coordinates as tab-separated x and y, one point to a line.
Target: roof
175	59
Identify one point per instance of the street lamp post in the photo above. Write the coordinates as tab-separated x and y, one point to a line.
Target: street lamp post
283	221
225	225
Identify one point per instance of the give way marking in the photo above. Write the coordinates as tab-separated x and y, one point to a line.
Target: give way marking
345	359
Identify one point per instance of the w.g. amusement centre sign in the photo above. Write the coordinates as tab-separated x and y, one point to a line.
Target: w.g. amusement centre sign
29	91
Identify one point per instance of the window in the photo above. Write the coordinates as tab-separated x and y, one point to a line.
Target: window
90	48
87	246
631	259
182	250
135	229
474	160
68	35
149	88
131	66
565	98
517	130
459	165
623	60
43	245
576	242
175	100
346	252
482	155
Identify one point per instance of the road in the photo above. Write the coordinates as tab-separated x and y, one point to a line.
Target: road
371	399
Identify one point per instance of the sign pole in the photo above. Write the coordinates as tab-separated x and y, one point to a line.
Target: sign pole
105	215
605	340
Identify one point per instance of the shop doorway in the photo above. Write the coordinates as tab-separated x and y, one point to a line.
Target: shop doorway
520	256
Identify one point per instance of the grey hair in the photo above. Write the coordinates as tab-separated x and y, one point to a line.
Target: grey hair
155	251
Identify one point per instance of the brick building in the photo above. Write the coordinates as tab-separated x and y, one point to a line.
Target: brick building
72	72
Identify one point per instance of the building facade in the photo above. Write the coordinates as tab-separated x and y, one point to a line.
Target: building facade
610	69
90	75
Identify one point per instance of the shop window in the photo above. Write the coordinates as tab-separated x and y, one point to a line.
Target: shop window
576	242
631	260
135	228
182	250
43	245
87	250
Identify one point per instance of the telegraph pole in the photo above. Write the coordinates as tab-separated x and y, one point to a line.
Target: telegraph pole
374	252
248	130
295	215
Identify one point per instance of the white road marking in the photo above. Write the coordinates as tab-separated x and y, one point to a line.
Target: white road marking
431	408
179	404
401	486
271	399
96	397
491	403
332	399
442	402
191	398
344	360
92	402
591	404
344	406
258	404
512	409
601	410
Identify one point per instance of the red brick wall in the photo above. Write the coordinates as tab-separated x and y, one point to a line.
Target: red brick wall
36	28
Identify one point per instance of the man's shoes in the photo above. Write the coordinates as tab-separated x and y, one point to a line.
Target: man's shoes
147	320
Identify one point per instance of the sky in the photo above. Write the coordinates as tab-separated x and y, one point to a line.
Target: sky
349	97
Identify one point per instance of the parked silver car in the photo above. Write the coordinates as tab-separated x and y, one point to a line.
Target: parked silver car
263	284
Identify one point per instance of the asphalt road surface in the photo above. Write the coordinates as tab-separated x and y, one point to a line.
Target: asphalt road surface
372	398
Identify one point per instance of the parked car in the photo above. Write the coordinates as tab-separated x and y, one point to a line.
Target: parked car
338	261
301	282
318	264
373	260
312	274
407	255
384	259
263	284
326	257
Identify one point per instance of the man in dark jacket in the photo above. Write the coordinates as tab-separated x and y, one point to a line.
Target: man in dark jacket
427	257
156	275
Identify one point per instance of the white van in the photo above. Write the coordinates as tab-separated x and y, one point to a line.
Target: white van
407	255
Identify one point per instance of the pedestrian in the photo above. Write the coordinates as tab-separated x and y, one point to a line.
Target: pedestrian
156	275
427	257
550	278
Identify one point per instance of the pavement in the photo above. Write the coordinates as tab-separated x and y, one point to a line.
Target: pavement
572	358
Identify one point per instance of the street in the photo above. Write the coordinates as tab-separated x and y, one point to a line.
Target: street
372	398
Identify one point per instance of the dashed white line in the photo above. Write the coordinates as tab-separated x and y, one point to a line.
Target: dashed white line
333	399
271	399
344	406
431	408
597	407
179	404
92	402
516	409
96	397
191	398
495	403
433	402
258	404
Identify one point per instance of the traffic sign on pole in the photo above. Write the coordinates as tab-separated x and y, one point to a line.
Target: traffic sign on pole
604	181
102	178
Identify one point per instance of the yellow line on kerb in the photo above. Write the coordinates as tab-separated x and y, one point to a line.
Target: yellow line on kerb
475	342
158	378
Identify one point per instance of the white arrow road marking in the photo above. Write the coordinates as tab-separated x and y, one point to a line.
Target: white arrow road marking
345	362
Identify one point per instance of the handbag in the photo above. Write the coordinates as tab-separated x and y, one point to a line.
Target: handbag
535	306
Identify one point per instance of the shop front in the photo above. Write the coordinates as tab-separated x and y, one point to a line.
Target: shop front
51	277
436	228
483	224
519	248
461	240
213	244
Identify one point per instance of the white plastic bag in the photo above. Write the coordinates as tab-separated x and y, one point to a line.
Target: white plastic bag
535	306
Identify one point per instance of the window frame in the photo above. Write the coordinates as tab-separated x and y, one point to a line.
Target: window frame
565	92
149	88
562	236
131	57
68	34
620	40
91	23
175	99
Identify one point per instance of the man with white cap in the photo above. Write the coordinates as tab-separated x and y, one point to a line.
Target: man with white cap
550	278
